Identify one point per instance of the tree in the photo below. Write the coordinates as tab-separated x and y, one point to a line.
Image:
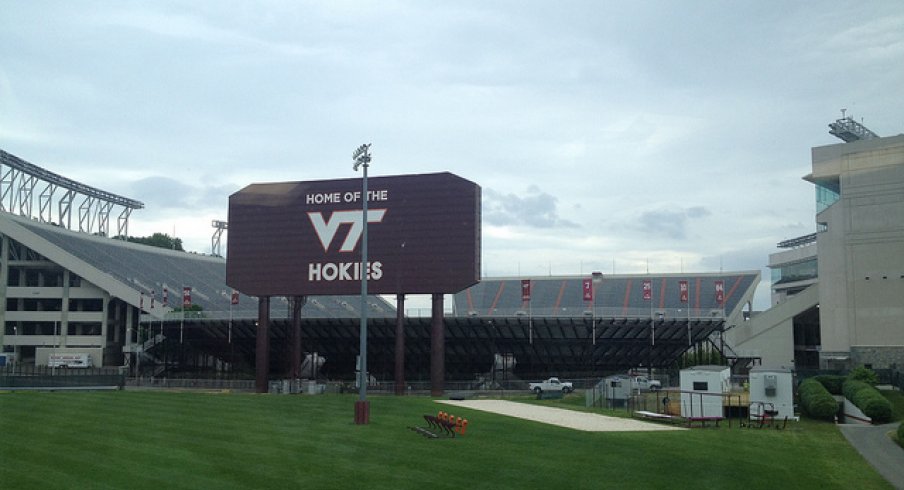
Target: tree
161	240
863	373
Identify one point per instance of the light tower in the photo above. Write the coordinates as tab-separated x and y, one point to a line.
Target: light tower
219	227
848	130
361	156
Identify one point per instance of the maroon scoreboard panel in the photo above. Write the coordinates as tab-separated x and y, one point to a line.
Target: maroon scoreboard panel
305	238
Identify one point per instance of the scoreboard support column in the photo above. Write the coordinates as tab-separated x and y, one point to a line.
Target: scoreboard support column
297	303
437	348
400	345
262	352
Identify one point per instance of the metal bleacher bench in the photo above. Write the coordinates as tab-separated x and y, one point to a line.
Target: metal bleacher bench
673	419
655	416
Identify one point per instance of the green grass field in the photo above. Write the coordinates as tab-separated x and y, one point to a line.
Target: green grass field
165	440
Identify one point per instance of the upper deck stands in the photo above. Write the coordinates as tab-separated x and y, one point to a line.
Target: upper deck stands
148	270
613	296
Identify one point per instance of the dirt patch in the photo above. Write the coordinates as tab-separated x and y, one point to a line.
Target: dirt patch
571	419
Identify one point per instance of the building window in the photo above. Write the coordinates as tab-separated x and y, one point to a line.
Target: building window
827	193
701	386
798	271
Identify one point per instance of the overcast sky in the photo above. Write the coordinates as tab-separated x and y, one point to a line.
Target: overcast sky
629	136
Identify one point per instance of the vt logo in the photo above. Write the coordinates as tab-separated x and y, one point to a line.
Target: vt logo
326	230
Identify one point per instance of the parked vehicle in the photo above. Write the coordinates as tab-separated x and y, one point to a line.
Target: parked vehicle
551	384
643	383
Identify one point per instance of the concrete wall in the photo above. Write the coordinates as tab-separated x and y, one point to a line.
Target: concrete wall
878	356
770	335
861	253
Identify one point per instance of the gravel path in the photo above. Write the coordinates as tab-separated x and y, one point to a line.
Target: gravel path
571	419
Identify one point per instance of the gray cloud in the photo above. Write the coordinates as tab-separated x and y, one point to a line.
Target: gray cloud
535	208
263	92
670	223
166	193
162	192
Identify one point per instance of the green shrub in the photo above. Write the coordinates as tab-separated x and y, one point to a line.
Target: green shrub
868	400
816	401
851	388
878	409
832	382
901	435
864	374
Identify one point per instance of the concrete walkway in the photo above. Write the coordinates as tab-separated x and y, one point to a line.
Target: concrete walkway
873	442
571	419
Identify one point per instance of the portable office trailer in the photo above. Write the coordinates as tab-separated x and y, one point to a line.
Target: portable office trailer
617	390
702	388
771	389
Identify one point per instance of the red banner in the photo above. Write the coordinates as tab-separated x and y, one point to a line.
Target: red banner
165	297
235	297
186	297
153	293
525	290
682	290
647	290
588	289
720	292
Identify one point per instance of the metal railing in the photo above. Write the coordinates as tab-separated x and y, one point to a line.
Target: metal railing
190	383
21	376
599	313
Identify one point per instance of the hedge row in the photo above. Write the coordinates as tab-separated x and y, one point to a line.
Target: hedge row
832	382
816	401
868	400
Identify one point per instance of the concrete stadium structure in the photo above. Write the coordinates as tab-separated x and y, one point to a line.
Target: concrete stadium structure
838	300
838	295
71	292
68	292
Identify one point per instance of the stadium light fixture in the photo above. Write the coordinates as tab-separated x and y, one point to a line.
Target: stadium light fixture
361	156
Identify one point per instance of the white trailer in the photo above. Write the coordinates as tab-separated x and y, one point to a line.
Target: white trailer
69	360
771	390
702	388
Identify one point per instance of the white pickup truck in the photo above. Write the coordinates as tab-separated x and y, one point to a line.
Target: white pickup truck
551	384
645	384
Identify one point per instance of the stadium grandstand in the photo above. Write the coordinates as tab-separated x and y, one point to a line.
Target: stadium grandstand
68	291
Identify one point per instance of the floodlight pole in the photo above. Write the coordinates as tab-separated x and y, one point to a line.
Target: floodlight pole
361	156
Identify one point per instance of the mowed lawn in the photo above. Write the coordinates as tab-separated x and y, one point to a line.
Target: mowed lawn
166	440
